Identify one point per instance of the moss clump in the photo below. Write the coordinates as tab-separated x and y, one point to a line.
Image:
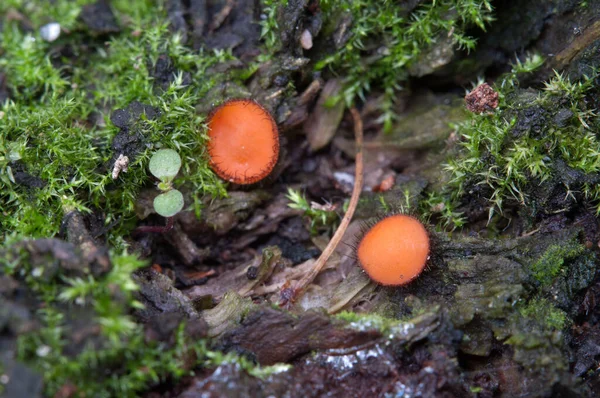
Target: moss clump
320	218
551	263
121	368
537	149
55	146
27	65
113	355
535	335
545	313
408	328
269	25
367	321
385	39
39	13
120	345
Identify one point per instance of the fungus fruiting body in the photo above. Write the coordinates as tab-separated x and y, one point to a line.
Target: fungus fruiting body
395	250
244	141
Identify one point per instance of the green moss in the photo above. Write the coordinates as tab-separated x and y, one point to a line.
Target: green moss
520	152
386	326
42	12
383	40
545	313
119	361
376	321
122	368
46	129
120	337
551	263
29	71
320	218
400	39
441	206
269	25
402	327
535	334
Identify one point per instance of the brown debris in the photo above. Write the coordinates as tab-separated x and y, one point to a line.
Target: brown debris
99	18
482	99
78	233
386	184
188	251
324	120
176	14
163	328
227	315
580	43
159	296
226	25
299	112
225	214
53	257
237	279
198	13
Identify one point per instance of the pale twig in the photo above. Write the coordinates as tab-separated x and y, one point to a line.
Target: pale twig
339	233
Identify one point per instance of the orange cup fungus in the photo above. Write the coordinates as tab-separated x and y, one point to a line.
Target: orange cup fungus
395	250
244	141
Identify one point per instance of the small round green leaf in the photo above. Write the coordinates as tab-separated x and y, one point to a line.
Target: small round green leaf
169	203
165	164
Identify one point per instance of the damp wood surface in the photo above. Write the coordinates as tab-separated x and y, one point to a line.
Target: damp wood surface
476	120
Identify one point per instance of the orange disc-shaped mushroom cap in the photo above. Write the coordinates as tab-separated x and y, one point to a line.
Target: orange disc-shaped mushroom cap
394	251
244	142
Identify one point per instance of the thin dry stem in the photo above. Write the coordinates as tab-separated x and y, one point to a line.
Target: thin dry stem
339	233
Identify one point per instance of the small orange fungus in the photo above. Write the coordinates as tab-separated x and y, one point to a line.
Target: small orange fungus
394	251
244	141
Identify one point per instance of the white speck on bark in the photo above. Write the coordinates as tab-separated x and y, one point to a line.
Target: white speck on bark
120	165
306	40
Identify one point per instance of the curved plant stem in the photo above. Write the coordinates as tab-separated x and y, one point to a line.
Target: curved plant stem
339	233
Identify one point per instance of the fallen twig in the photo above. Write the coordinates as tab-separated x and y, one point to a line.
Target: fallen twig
301	286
